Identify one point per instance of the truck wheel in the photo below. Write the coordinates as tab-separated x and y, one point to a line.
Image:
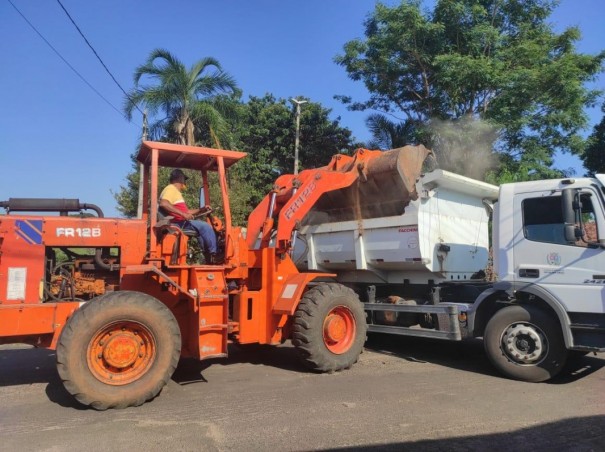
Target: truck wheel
118	350
329	328
525	343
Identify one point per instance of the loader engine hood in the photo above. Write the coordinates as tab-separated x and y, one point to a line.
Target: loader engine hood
385	186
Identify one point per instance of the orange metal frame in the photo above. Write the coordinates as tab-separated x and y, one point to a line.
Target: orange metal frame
250	298
295	195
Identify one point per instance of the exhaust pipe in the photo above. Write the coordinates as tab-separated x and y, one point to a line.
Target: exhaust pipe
61	205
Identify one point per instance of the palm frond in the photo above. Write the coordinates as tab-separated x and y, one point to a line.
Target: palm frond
387	134
201	65
215	83
209	121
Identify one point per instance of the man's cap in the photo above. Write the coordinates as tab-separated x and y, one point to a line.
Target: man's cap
178	175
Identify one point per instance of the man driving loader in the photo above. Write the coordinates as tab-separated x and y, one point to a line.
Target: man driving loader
172	203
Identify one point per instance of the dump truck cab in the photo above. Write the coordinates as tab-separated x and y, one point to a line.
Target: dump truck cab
550	243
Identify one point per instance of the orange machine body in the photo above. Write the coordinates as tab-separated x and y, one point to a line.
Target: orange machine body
250	297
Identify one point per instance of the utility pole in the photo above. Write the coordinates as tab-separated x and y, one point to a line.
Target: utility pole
296	142
142	170
145	128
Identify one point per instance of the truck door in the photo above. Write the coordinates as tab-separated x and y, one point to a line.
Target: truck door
573	272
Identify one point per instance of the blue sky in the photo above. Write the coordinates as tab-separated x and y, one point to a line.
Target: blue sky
60	139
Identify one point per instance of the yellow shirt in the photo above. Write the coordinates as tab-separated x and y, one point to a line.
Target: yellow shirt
175	197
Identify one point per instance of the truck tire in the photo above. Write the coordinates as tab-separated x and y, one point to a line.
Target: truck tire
525	343
329	328
118	350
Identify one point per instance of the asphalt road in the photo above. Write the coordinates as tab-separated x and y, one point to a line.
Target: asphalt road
403	394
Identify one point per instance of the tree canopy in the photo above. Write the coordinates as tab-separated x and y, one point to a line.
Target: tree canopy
267	133
206	109
594	156
186	104
493	61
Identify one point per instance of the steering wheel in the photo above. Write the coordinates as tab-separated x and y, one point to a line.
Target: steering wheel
205	212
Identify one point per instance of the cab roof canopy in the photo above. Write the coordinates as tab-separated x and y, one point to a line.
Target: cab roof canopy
190	157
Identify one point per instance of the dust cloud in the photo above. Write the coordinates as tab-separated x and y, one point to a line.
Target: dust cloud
464	146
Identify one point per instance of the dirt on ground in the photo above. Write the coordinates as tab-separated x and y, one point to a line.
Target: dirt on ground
403	394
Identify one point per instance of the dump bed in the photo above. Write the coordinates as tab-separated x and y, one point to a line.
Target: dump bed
442	235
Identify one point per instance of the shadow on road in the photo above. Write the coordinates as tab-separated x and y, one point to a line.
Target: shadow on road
580	433
578	367
24	365
280	357
467	356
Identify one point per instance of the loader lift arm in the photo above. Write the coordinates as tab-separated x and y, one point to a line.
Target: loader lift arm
368	184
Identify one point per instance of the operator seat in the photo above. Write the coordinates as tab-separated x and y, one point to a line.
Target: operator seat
165	221
164	226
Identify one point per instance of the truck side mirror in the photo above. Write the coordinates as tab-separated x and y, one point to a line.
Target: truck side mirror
569	214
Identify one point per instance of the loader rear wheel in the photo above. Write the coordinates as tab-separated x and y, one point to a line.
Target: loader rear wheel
118	350
525	343
329	328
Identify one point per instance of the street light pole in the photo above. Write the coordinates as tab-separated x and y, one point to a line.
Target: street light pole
296	142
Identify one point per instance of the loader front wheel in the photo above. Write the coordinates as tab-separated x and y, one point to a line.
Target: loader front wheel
329	328
118	350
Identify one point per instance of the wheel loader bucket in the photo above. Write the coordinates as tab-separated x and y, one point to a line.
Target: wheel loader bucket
385	186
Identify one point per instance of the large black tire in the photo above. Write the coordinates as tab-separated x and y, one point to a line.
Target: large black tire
525	343
118	350
329	328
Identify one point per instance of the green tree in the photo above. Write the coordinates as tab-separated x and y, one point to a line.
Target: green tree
199	105
594	156
186	103
498	61
264	127
387	134
268	134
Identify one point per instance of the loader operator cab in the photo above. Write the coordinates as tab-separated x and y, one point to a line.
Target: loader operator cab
167	241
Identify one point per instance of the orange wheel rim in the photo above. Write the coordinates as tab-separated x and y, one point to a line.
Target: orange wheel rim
339	330
121	352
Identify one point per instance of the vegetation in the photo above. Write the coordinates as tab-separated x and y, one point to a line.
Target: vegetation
268	134
471	65
188	101
487	84
594	156
193	107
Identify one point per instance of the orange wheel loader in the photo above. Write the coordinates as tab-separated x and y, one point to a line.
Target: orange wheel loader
120	304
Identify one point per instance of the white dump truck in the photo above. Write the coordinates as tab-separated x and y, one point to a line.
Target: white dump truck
423	272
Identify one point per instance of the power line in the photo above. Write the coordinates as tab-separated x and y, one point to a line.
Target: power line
64	60
98	57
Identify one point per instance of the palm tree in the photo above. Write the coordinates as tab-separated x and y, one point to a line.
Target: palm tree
387	134
192	101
